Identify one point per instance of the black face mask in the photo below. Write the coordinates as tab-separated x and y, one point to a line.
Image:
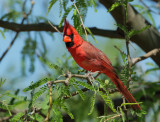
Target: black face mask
70	44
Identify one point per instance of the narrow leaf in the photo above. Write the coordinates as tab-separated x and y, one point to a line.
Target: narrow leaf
85	85
93	99
130	103
123	115
52	2
115	5
37	84
122	27
134	32
65	15
68	111
79	91
17	117
2	34
39	93
151	18
107	100
91	34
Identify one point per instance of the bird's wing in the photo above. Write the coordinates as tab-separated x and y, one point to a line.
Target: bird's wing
94	53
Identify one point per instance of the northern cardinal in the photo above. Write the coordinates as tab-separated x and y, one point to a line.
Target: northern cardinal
92	59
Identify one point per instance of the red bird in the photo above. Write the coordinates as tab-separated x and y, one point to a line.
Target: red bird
92	59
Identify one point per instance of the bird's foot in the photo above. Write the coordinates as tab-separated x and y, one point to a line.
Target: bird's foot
90	75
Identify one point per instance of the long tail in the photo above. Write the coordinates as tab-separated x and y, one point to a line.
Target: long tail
121	87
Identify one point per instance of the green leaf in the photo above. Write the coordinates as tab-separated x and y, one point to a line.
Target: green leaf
11	15
123	115
152	69
52	2
77	23
28	51
37	84
17	117
5	93
91	34
5	105
86	85
15	96
103	84
2	81
18	103
65	14
130	103
53	66
93	99
39	93
115	5
139	114
68	111
94	4
124	57
65	90
57	115
122	27
134	32
79	91
151	18
150	64
2	34
107	100
139	6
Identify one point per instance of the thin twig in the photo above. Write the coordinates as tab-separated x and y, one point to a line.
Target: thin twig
49	84
85	76
148	7
17	33
47	27
153	52
80	19
10	45
113	117
128	56
35	110
54	27
119	50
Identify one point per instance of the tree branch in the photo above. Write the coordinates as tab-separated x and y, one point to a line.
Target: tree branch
49	84
148	39
46	27
17	32
85	76
153	52
35	110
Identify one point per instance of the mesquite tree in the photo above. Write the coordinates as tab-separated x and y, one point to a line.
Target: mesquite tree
62	90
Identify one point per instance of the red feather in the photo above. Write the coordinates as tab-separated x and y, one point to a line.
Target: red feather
92	59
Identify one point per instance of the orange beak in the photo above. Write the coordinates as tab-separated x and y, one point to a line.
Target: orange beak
66	39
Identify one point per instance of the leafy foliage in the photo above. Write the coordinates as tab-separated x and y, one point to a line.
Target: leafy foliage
37	84
93	100
17	117
2	34
145	11
29	51
52	2
130	33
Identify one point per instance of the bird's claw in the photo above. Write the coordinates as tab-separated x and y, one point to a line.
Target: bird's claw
90	75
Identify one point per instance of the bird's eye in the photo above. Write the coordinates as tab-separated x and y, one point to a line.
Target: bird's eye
71	36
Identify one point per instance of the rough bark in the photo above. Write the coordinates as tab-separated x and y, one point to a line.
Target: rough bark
148	39
46	27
